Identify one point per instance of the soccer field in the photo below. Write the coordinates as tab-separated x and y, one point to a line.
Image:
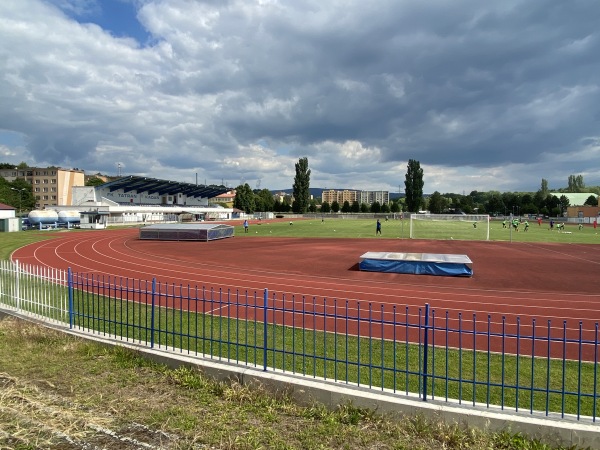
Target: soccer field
399	229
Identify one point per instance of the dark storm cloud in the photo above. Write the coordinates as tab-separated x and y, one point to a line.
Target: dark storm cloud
242	89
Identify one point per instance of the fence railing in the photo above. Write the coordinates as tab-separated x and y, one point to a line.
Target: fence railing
532	366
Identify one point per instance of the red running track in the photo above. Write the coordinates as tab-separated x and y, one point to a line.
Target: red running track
556	282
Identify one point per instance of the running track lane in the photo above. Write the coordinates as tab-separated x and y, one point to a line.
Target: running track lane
550	282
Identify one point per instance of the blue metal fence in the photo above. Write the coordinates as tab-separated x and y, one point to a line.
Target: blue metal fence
386	347
533	366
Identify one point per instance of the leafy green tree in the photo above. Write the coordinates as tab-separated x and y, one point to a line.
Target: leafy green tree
364	208
264	198
436	203
244	198
335	206
376	207
325	208
94	181
592	200
564	203
301	186
355	208
544	188
576	183
495	205
385	208
413	186
395	207
313	206
346	207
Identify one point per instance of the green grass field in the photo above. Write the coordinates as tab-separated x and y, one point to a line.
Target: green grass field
399	229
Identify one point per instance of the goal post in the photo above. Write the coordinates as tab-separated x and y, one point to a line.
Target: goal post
472	227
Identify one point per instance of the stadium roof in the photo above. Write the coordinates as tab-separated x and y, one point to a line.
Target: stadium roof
161	187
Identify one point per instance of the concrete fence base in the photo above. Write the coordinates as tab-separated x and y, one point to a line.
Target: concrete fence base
305	391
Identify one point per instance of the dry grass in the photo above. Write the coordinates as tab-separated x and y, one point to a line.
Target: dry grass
60	392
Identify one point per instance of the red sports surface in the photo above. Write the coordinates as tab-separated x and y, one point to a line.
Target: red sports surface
557	282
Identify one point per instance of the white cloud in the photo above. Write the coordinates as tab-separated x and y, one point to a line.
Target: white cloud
487	96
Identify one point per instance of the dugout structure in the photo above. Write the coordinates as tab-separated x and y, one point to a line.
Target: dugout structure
472	227
186	232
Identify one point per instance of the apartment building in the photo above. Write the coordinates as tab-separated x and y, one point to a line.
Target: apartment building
51	186
340	197
367	197
370	197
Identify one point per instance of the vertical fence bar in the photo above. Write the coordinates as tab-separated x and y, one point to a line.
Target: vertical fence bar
152	313
532	366
17	287
474	359
70	288
595	372
265	328
564	368
425	350
548	371
580	343
518	363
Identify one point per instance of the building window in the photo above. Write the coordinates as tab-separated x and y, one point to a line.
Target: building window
37	181
45	181
45	197
52	189
37	197
54	197
45	189
53	181
37	189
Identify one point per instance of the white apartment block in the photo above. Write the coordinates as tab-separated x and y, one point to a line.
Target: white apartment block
51	186
370	197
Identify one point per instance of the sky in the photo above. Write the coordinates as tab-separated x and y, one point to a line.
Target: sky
485	95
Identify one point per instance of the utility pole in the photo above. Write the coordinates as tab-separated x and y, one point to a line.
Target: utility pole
20	191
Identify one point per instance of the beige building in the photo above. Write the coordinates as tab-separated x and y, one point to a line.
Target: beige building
340	197
367	197
51	186
227	199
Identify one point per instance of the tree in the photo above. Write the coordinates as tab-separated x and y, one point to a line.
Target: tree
436	203
244	198
346	207
576	183
413	185
325	208
592	200
335	206
302	186
544	188
355	208
376	207
94	181
264	198
495	205
564	203
395	208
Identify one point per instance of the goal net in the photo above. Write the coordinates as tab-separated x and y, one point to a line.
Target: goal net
450	226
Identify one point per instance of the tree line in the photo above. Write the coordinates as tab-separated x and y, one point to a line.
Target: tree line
414	200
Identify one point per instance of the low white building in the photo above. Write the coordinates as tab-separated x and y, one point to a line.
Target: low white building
135	199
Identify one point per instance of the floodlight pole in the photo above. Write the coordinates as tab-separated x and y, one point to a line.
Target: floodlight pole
20	198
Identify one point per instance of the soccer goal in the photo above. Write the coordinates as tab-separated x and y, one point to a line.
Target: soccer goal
450	226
